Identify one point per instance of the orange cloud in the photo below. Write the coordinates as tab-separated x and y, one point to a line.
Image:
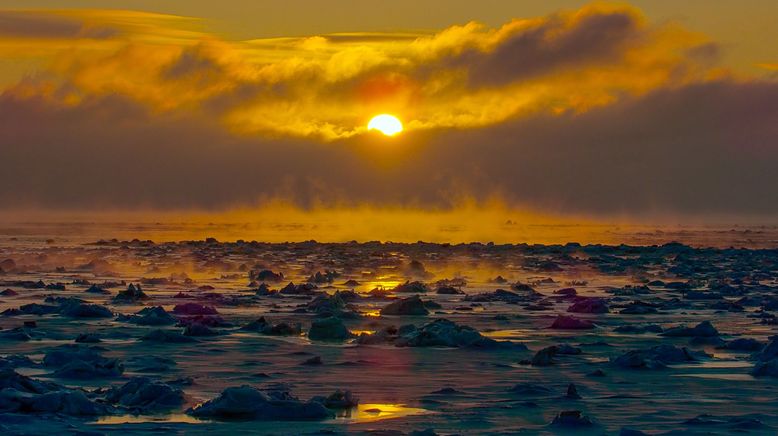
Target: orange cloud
327	86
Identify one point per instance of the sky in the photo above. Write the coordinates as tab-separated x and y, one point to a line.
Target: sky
642	109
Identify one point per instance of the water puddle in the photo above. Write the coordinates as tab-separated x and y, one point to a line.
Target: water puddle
505	334
377	412
359	332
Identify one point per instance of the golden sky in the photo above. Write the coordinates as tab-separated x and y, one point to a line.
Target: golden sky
742	26
564	106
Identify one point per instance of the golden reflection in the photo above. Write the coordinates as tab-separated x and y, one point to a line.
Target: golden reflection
137	419
359	332
505	334
384	284
378	411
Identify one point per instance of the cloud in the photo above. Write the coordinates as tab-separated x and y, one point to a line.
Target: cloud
534	48
32	24
699	149
327	86
702	148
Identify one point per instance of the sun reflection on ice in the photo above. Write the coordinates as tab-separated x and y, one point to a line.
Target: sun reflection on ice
377	411
384	284
359	332
373	313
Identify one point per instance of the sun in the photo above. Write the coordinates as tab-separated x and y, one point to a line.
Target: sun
387	124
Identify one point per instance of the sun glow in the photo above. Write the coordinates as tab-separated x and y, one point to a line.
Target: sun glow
387	124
